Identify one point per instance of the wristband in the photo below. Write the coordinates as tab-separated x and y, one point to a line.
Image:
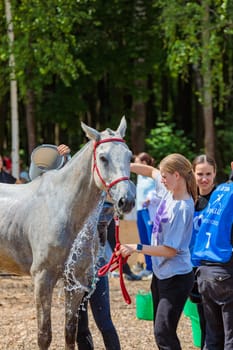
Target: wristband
139	247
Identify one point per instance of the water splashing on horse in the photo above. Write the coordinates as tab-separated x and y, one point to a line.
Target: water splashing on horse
49	226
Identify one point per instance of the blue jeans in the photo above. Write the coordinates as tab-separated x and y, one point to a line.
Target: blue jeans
215	283
145	230
100	307
169	297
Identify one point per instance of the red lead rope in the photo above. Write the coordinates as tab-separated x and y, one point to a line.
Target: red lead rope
116	262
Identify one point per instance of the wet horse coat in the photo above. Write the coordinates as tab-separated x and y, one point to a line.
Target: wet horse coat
49	226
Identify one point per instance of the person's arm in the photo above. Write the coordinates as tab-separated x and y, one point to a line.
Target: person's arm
144	170
160	250
64	151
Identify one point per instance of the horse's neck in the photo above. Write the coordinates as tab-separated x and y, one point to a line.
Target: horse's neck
77	183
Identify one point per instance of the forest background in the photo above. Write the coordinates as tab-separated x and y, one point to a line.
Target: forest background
167	65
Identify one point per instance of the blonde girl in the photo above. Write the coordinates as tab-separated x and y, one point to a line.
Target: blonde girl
173	276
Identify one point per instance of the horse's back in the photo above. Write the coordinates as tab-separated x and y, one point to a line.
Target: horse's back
33	225
15	250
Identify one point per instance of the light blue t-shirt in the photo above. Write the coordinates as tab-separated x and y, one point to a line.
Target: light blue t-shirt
145	184
173	228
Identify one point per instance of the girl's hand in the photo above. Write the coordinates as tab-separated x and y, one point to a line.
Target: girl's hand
126	249
63	150
146	203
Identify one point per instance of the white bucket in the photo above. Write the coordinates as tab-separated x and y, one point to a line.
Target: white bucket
43	158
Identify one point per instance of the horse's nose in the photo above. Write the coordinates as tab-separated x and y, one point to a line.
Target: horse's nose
125	204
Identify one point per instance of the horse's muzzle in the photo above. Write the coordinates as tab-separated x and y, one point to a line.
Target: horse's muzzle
124	195
125	205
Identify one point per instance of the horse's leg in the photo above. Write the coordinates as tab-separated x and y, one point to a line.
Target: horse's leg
72	303
43	289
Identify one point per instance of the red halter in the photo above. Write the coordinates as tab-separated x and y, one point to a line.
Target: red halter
114	182
115	261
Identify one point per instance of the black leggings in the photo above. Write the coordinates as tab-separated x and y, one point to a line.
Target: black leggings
169	297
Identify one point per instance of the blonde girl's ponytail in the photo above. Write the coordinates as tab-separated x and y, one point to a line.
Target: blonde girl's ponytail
191	185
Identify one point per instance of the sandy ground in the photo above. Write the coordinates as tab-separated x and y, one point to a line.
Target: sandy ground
18	318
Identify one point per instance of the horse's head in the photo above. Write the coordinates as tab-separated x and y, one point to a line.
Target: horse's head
111	165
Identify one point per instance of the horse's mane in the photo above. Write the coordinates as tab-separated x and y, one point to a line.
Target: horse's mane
111	132
81	151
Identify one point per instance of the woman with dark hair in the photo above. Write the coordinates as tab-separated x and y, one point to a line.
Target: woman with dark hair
212	253
205	169
6	177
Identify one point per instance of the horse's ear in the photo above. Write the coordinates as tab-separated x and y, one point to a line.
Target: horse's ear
122	127
90	132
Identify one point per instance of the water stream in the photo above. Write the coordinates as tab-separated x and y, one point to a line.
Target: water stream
83	258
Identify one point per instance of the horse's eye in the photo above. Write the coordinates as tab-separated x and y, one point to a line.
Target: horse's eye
104	160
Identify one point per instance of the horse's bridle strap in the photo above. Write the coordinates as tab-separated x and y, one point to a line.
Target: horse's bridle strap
114	182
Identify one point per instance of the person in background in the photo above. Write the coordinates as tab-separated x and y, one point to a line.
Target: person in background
145	186
64	151
212	252
231	173
6	177
205	169
24	177
7	164
99	300
173	275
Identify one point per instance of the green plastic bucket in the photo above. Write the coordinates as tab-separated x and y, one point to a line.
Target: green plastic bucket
196	331
190	309
144	306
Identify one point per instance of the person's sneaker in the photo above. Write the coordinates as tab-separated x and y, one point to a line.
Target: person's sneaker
138	267
114	274
145	274
132	277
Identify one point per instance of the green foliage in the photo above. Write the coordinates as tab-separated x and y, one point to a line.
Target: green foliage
166	139
94	60
224	139
46	42
183	24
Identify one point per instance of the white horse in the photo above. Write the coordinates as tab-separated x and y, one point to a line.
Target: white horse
48	227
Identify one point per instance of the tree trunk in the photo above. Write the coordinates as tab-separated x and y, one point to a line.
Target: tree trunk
209	139
14	95
30	120
198	115
138	128
3	123
138	121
